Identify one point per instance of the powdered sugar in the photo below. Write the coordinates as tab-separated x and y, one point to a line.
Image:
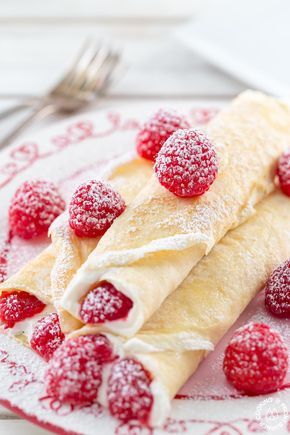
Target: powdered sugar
283	172
187	415
277	292
34	207
73	373
46	336
104	303
178	342
157	130
175	243
18	305
256	359
187	163
93	208
129	395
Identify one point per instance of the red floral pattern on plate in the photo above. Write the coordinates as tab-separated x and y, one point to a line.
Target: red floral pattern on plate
20	378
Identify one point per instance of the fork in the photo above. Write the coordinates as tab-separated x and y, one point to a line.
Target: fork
88	77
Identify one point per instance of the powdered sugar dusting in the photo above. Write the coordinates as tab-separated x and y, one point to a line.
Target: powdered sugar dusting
256	359
283	172
129	395
209	380
277	292
47	336
157	130
73	374
34	207
18	305
60	230
104	303
93	208
187	415
187	163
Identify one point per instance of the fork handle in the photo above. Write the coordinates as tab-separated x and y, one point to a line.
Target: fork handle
41	111
6	113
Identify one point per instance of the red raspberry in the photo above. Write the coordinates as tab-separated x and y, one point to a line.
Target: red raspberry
93	208
74	373
256	359
277	291
129	394
47	336
157	130
34	207
187	163
104	303
18	305
283	172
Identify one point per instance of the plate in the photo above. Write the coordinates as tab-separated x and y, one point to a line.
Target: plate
68	153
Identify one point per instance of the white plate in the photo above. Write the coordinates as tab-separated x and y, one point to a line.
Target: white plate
68	153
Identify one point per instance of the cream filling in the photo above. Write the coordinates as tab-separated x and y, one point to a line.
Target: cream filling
102	393
161	404
94	270
161	400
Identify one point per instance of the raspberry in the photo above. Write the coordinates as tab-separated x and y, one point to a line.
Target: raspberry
47	336
93	208
256	359
187	163
18	305
157	130
283	172
129	394
74	373
34	207
104	303
277	291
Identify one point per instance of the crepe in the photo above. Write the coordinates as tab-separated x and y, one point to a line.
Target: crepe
197	315
152	247
47	275
34	277
128	179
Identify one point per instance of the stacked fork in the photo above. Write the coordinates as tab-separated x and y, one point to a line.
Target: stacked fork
89	76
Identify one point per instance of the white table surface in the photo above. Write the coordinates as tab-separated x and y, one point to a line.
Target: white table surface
37	40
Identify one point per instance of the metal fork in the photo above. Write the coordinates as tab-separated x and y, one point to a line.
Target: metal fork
88	77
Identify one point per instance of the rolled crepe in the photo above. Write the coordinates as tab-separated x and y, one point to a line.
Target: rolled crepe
33	278
72	251
47	275
197	315
152	247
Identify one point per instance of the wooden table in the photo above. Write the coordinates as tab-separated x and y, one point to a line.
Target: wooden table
38	39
